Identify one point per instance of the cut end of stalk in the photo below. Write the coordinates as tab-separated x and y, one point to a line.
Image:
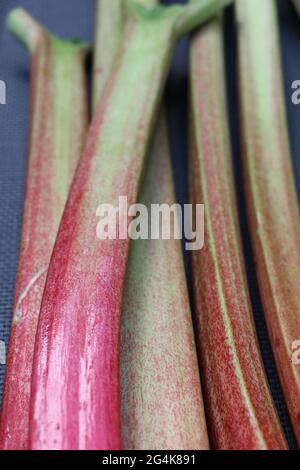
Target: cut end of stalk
186	18
25	28
77	42
74	44
198	12
148	10
29	31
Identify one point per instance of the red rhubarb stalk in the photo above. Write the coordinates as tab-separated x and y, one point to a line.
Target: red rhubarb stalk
158	355
270	189
239	407
58	127
75	386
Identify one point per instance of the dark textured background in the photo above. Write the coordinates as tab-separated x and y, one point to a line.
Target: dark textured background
75	18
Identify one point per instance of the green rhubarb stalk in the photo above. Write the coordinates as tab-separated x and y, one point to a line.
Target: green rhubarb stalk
270	188
161	407
239	407
75	383
109	27
58	128
161	399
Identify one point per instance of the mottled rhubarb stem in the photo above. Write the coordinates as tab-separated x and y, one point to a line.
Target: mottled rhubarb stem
160	388
156	319
297	5
58	127
270	189
75	386
109	28
239	406
161	399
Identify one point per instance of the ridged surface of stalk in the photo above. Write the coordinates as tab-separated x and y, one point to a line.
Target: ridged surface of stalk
75	387
161	400
58	126
109	28
239	407
270	189
160	387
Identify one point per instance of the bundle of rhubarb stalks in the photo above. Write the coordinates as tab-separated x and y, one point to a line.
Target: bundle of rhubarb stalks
104	352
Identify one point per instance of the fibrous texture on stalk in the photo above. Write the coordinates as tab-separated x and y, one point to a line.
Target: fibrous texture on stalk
270	189
109	28
78	334
58	126
161	399
160	387
239	406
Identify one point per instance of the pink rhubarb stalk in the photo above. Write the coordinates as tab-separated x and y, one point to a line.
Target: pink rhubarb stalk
155	328
270	189
75	386
58	127
239	406
158	355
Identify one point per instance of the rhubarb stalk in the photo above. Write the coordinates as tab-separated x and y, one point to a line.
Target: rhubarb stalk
239	406
272	205
161	399
58	127
109	28
75	385
160	388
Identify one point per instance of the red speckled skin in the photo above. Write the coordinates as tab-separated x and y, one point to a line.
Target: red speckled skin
75	384
158	357
50	170
239	408
273	209
160	388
